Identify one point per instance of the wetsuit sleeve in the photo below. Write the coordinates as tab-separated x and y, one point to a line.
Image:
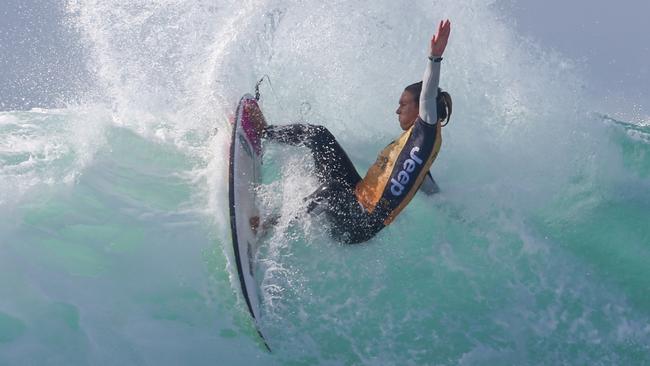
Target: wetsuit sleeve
428	109
429	185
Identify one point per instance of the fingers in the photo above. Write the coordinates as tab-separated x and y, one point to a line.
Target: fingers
440	38
444	28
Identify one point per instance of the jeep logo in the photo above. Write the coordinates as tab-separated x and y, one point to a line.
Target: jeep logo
404	175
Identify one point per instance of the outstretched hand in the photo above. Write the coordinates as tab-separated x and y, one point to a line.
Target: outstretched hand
439	40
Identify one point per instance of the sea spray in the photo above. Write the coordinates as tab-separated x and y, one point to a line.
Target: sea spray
534	251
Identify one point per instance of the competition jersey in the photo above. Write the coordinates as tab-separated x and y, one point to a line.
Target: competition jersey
391	182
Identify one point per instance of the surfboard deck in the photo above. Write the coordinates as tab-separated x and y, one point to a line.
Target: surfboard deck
244	176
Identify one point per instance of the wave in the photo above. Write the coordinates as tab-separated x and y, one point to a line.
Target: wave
116	228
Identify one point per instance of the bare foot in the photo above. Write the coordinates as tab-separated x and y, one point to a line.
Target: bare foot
269	223
254	223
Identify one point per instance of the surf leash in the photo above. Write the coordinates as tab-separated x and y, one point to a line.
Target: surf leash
275	95
257	86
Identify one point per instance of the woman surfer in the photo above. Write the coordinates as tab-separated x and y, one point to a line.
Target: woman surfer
359	208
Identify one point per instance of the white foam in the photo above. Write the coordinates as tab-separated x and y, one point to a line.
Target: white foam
519	138
43	147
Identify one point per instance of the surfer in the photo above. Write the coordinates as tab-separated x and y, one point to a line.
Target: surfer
359	208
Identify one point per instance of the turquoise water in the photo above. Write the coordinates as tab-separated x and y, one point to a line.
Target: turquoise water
114	244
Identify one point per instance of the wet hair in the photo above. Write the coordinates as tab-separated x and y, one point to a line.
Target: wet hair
443	101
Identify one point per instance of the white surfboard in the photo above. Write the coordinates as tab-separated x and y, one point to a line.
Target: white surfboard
244	177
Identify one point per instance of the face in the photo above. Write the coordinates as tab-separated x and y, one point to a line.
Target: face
408	110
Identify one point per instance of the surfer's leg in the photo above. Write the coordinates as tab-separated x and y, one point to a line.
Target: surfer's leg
293	134
349	222
332	162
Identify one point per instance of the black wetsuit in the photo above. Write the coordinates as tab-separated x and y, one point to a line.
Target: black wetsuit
351	223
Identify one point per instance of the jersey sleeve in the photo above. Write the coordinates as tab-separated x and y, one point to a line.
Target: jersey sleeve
428	110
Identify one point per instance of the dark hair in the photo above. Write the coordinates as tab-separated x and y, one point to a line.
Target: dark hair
443	100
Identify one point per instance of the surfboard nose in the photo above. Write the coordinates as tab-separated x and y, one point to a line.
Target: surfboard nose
256	116
253	123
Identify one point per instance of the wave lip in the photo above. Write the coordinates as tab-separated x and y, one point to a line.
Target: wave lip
45	147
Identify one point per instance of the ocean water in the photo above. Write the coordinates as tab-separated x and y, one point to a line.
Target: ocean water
114	239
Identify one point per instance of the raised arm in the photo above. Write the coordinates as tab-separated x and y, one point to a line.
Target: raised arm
428	110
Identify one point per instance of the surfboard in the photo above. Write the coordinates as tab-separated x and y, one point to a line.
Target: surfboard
244	176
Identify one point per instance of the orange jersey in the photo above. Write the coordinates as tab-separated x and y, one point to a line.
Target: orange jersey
391	182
